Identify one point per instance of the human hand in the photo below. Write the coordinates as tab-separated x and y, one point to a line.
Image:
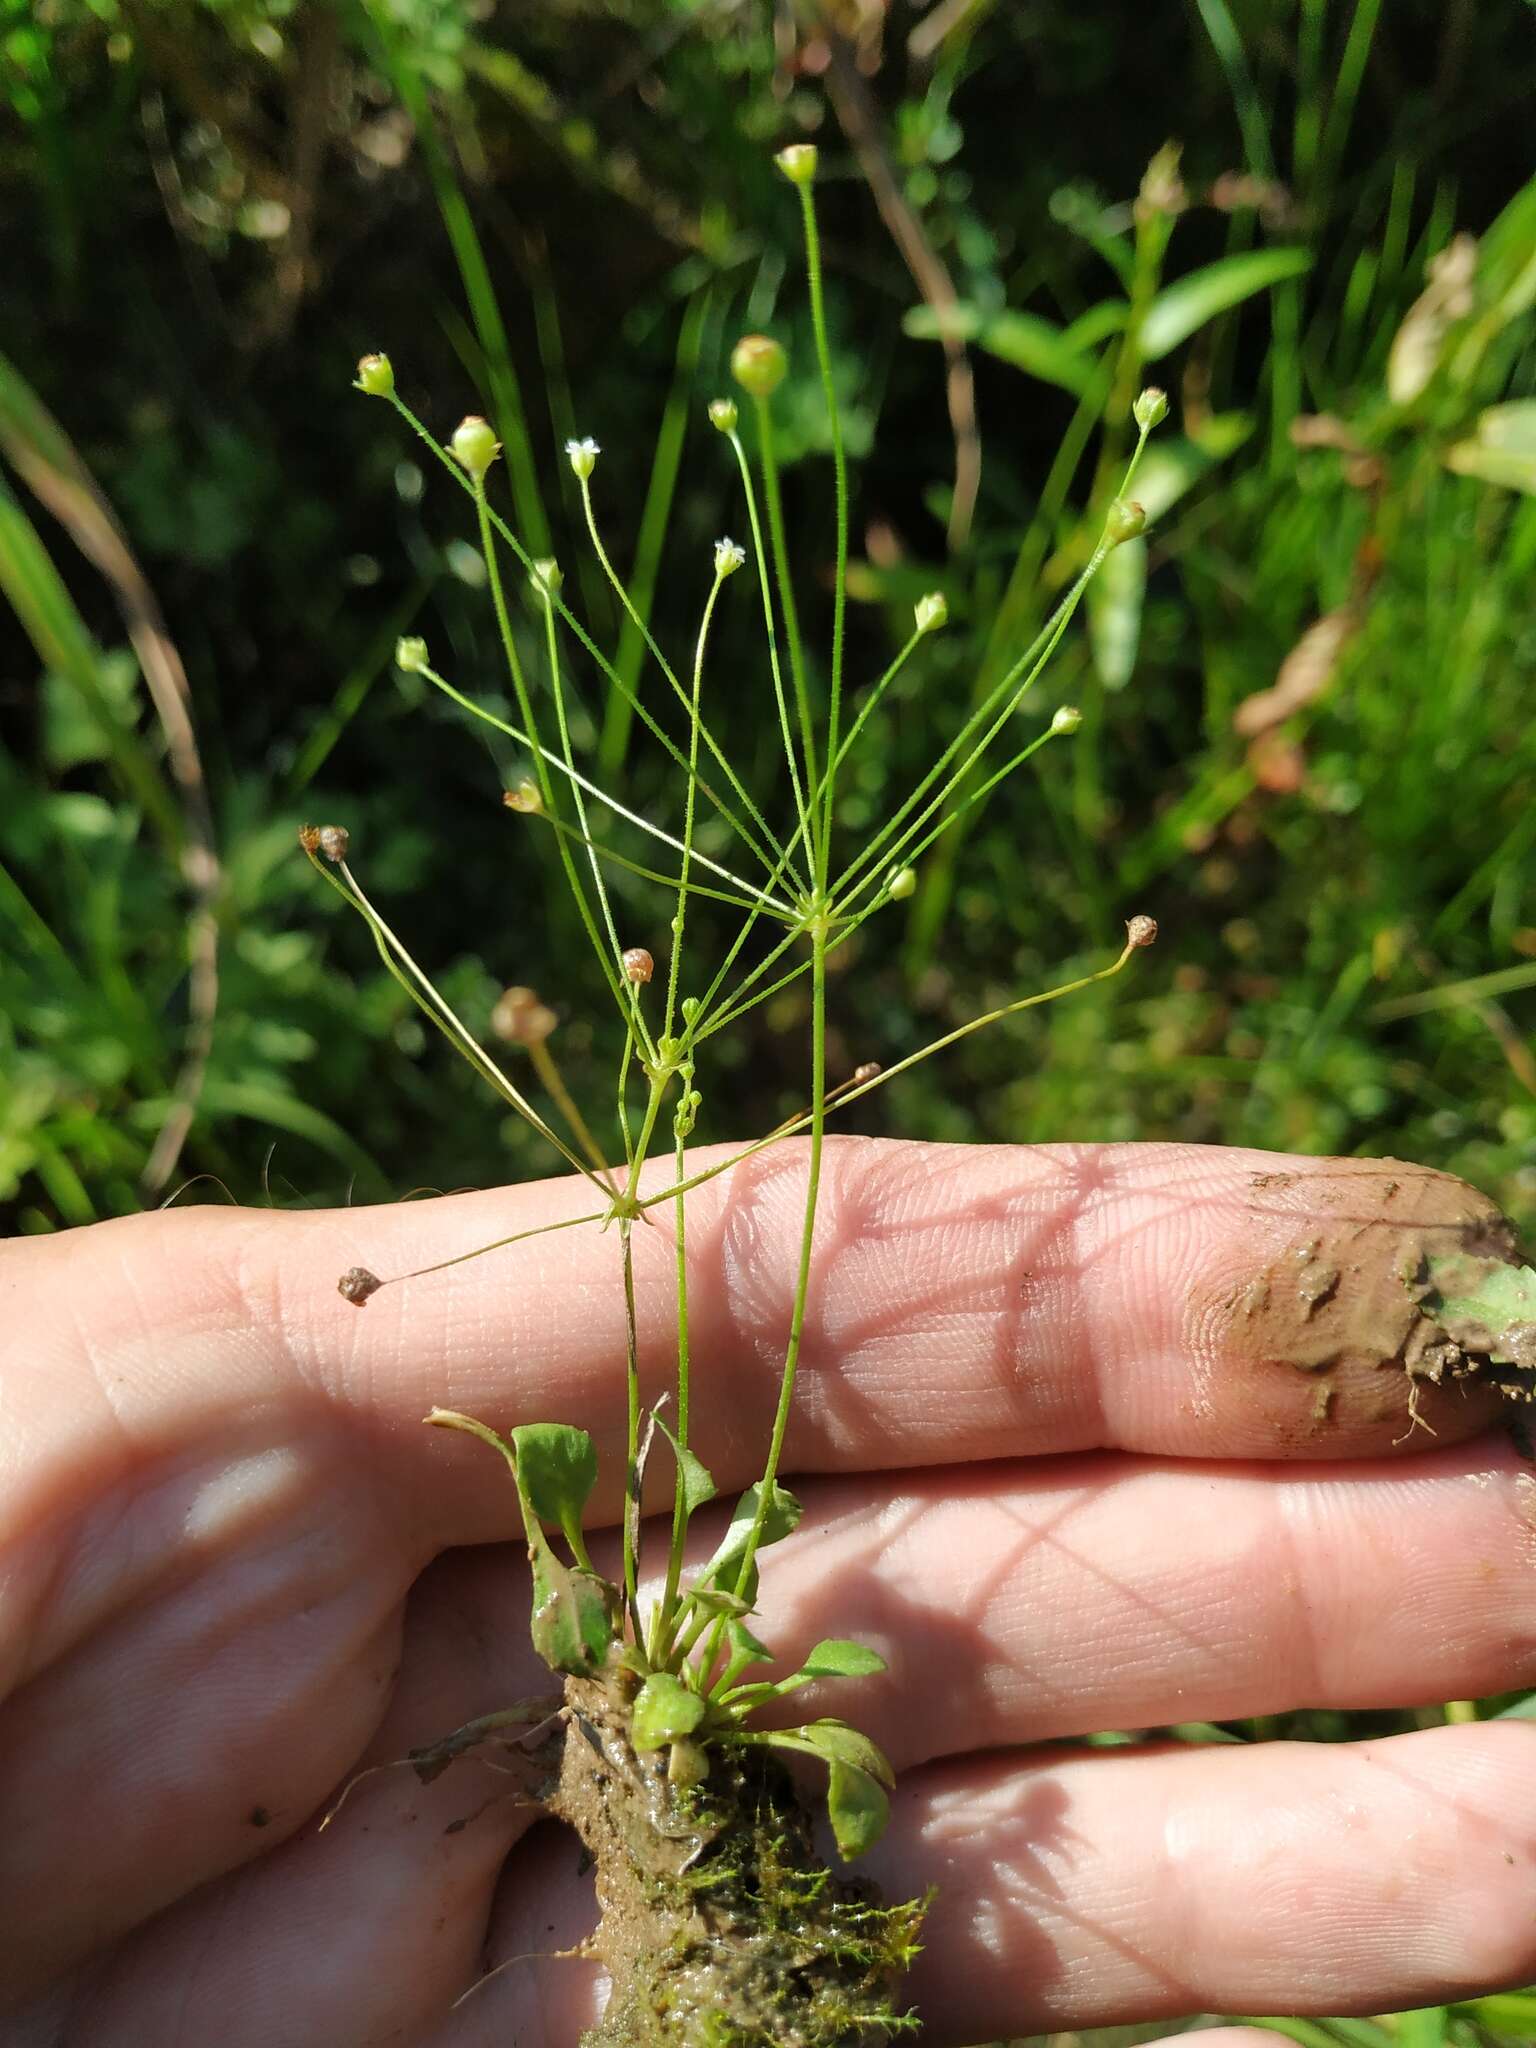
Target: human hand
234	1568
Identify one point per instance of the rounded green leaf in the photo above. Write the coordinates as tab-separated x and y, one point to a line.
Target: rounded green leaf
838	1658
556	1472
664	1711
857	1808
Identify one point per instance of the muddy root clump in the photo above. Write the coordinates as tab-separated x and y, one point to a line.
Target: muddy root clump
721	1927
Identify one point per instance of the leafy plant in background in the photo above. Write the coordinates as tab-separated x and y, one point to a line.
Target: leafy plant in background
662	1692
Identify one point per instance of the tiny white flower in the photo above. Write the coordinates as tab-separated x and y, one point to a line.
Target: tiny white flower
729	557
582	456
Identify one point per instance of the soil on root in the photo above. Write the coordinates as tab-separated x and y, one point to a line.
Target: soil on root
1340	1335
720	1925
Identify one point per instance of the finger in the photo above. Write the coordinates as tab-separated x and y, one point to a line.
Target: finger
1306	1878
965	1303
367	1929
1022	1602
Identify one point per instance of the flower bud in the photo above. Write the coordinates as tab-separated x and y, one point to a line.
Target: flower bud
1150	409
931	612
309	838
524	796
867	1072
521	1019
1067	718
722	414
729	556
357	1284
334	841
411	653
376	376
547	576
902	884
1126	520
1140	931
638	965
582	456
758	364
474	445
798	162
690	1008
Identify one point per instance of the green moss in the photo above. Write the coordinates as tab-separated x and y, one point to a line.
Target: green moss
721	1926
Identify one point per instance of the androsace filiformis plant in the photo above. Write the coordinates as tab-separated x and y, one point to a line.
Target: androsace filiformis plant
719	1925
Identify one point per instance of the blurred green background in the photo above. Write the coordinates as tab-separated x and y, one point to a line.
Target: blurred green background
1306	746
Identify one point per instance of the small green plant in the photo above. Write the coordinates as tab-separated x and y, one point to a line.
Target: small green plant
675	1683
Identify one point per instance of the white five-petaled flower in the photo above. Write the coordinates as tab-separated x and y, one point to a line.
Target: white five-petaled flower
729	556
583	456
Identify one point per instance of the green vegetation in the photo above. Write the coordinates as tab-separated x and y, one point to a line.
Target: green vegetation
1297	728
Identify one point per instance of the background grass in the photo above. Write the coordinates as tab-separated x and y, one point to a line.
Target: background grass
564	215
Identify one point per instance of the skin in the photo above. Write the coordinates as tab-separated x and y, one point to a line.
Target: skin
233	1568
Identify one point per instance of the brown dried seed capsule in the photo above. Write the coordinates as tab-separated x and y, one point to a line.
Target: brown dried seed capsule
357	1284
309	838
869	1071
334	841
521	1019
1140	931
638	965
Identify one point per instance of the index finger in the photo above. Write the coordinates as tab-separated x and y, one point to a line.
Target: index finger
965	1303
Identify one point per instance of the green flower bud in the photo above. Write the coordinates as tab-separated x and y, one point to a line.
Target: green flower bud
411	654
729	556
722	414
376	376
1126	520
798	162
931	612
1067	718
582	456
1150	409
547	576
524	798
474	445
758	364
902	884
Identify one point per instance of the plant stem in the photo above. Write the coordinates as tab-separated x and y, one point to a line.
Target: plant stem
840	475
661	1637
694	724
671	675
771	629
818	1118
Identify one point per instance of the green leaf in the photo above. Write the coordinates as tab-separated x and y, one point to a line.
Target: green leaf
698	1482
1486	1306
556	1472
1038	347
1522	1710
783	1517
745	1648
1184	307
835	1658
857	1807
1503	448
574	1611
858	1777
664	1711
831	1737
